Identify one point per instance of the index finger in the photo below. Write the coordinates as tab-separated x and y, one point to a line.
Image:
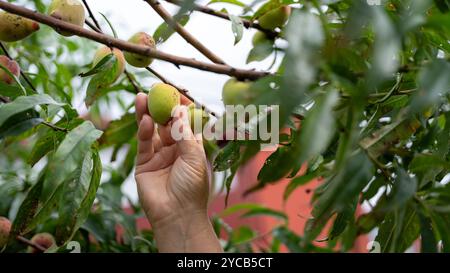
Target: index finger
141	106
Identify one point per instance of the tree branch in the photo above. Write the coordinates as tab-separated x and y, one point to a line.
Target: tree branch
130	78
30	243
223	15
156	5
126	46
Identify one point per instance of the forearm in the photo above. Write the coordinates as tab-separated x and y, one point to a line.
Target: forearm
189	232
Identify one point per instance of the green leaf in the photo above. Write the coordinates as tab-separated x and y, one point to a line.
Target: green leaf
443	5
20	123
50	140
402	191
260	52
120	131
319	125
22	104
275	167
388	135
441	226
98	85
164	31
28	207
77	197
386	48
110	25
69	155
288	238
228	156
10	91
343	219
237	27
427	166
234	2
428	240
242	235
250	210
98	67
399	230
268	6
300	60
344	186
297	182
434	83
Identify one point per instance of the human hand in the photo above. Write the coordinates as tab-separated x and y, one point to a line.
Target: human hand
172	181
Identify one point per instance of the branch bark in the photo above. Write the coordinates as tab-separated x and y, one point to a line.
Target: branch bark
183	32
223	15
123	45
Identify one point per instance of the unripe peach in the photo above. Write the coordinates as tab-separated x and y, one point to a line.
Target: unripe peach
162	98
197	118
12	67
236	92
275	18
45	240
5	229
70	11
104	51
137	60
259	38
14	28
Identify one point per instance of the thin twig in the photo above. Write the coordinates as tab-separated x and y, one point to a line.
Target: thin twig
130	79
92	26
130	47
30	243
91	14
54	127
165	15
223	15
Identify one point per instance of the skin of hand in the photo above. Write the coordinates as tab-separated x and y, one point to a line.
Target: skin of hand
173	182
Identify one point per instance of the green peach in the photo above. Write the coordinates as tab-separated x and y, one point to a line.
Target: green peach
275	18
14	28
235	92
70	11
5	229
259	38
12	67
45	240
103	51
162	98
197	116
137	60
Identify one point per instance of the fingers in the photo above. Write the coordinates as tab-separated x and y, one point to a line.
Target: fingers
141	106
145	139
165	135
181	131
184	100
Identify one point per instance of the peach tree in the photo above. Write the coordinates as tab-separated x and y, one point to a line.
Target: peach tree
362	88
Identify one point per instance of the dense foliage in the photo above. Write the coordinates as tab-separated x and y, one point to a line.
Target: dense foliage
370	83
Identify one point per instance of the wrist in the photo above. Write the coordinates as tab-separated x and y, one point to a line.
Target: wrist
186	231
